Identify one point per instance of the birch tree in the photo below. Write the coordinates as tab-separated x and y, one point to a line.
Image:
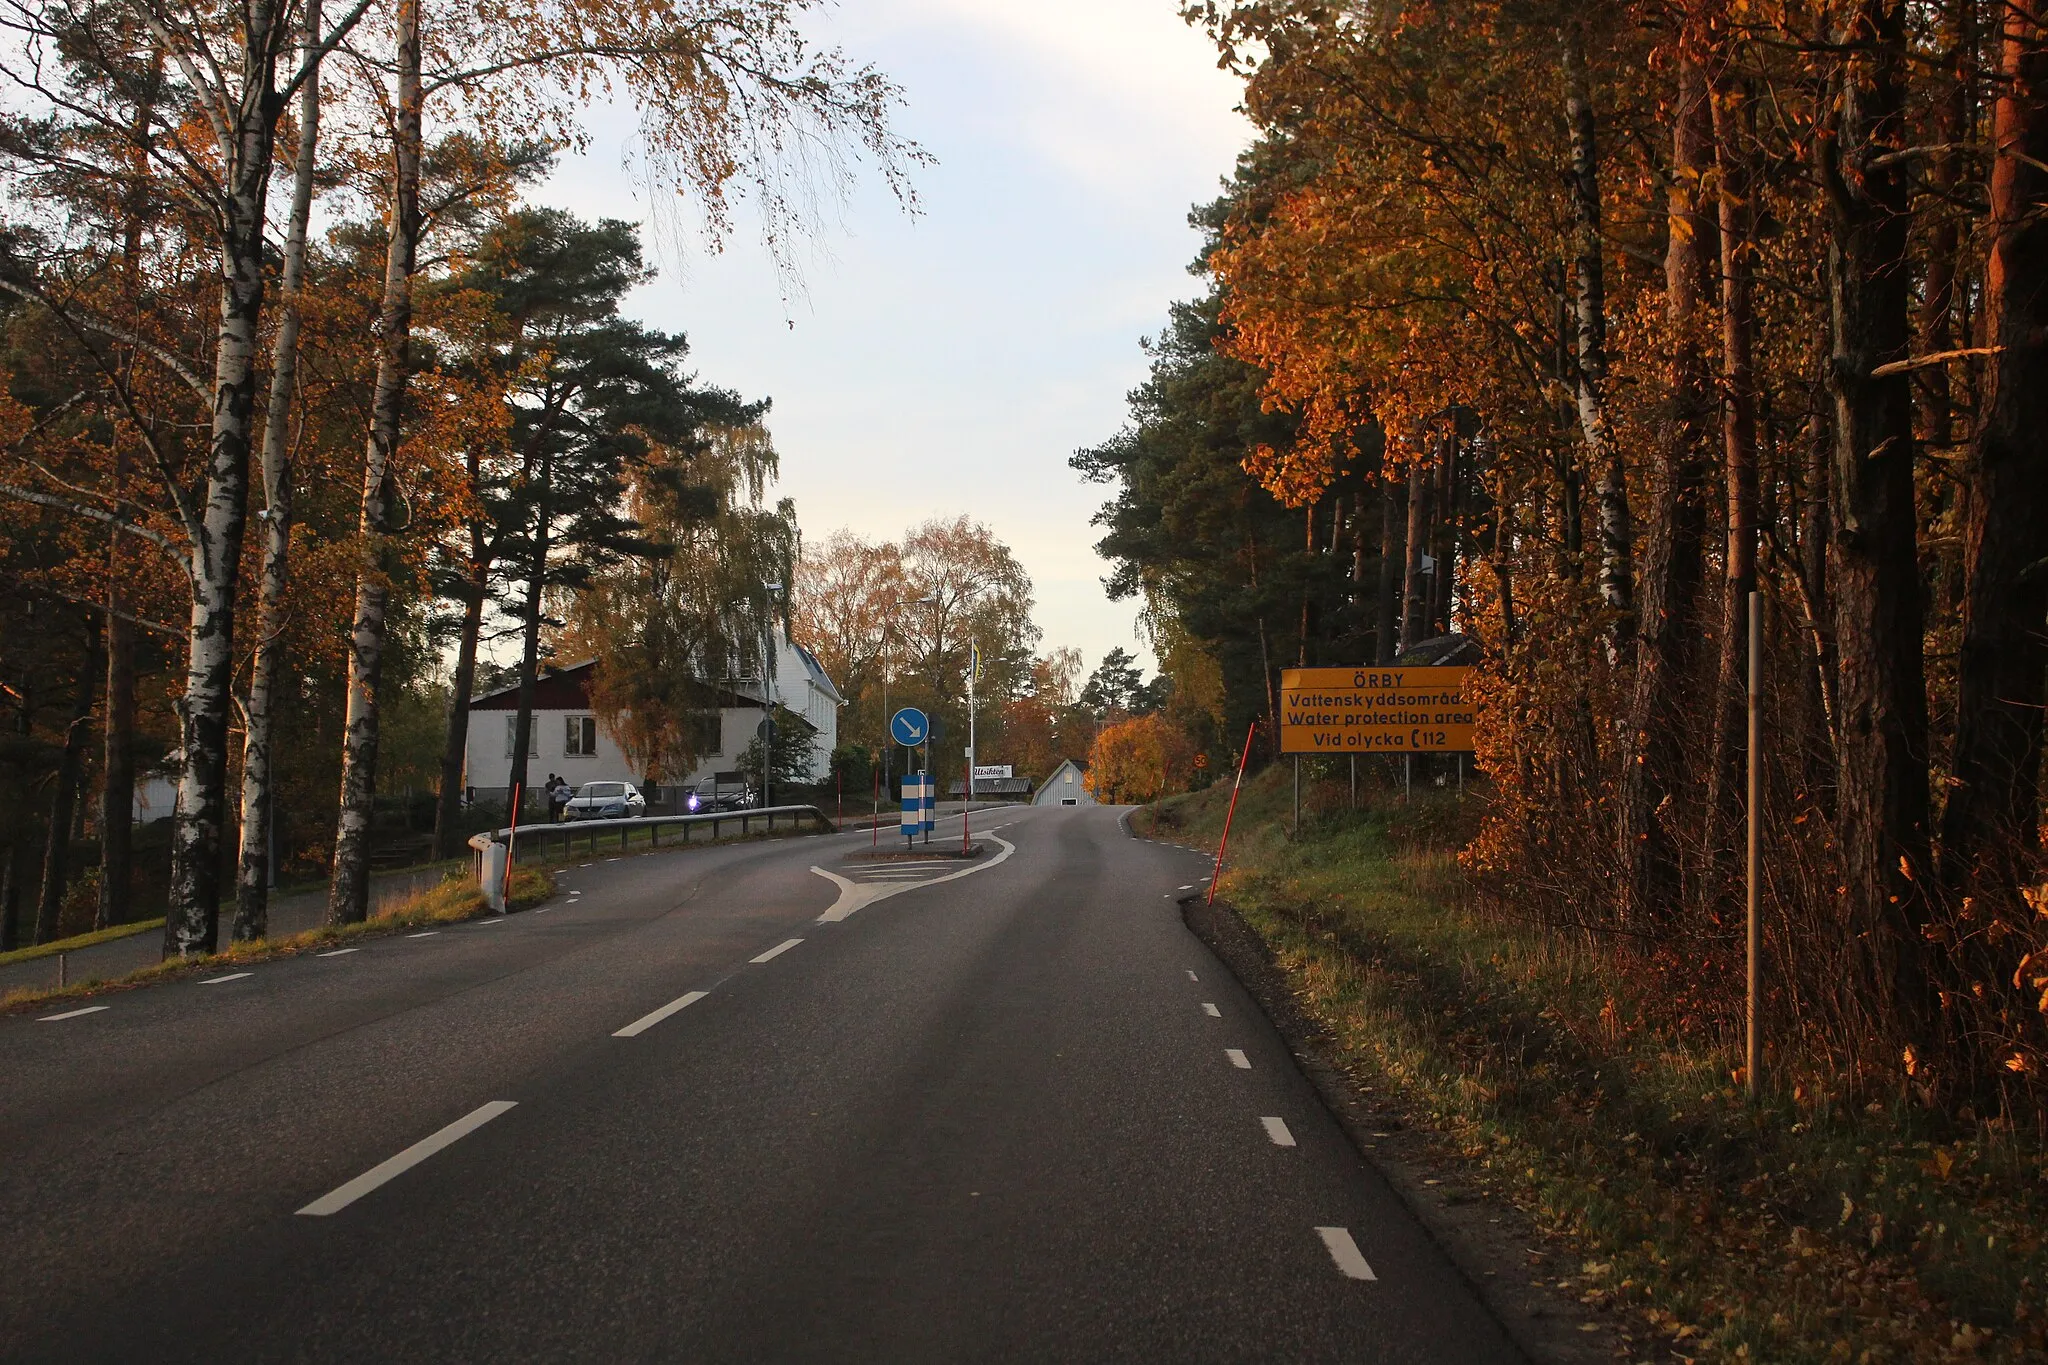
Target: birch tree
211	147
732	101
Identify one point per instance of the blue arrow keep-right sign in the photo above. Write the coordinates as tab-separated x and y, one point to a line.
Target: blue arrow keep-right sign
909	727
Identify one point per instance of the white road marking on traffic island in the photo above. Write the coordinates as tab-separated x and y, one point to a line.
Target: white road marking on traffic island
854	895
777	950
1211	1010
338	952
231	976
1345	1253
1276	1129
72	1014
342	1196
1237	1058
648	1021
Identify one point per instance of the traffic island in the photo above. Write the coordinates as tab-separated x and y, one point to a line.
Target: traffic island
921	853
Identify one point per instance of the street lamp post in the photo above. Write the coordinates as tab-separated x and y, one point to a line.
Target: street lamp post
768	701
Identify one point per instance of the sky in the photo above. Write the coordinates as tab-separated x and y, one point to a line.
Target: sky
950	363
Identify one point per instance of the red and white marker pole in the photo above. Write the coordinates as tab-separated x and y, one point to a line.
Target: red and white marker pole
1230	814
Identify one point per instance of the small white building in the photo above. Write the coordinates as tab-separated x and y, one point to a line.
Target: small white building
568	738
1065	787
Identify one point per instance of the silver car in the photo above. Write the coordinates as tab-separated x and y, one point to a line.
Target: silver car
606	801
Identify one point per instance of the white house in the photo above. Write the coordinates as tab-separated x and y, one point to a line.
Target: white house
568	738
1065	787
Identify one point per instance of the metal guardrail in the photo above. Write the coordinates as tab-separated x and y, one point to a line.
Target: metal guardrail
565	836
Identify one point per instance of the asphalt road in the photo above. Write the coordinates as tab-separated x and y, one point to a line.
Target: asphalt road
715	1105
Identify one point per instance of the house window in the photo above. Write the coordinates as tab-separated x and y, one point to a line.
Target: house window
580	739
706	734
1069	777
512	737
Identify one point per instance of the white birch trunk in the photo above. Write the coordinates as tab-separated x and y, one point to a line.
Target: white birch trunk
252	894
1603	454
348	896
192	921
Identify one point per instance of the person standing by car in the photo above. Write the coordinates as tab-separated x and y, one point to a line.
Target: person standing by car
554	798
562	792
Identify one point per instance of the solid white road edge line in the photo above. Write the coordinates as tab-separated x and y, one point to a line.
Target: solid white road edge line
338	952
1237	1058
1276	1129
231	976
1345	1253
856	895
339	1198
1211	1010
72	1014
777	951
648	1021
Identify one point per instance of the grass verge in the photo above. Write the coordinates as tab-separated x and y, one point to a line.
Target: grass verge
1794	1229
453	900
77	941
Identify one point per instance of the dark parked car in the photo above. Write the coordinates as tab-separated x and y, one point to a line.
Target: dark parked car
712	796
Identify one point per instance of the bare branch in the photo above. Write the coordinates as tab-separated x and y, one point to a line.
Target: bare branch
65	313
79	509
1922	362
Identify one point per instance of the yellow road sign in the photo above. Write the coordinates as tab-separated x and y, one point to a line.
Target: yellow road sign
1387	709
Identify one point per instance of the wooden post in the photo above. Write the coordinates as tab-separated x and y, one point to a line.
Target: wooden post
1297	796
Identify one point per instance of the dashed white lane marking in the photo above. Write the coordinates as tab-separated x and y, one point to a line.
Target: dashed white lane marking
338	952
777	950
429	934
1189	887
1237	1058
1345	1253
231	976
1192	976
611	860
545	908
342	1196
648	1021
1276	1129
1211	1010
72	1014
483	923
